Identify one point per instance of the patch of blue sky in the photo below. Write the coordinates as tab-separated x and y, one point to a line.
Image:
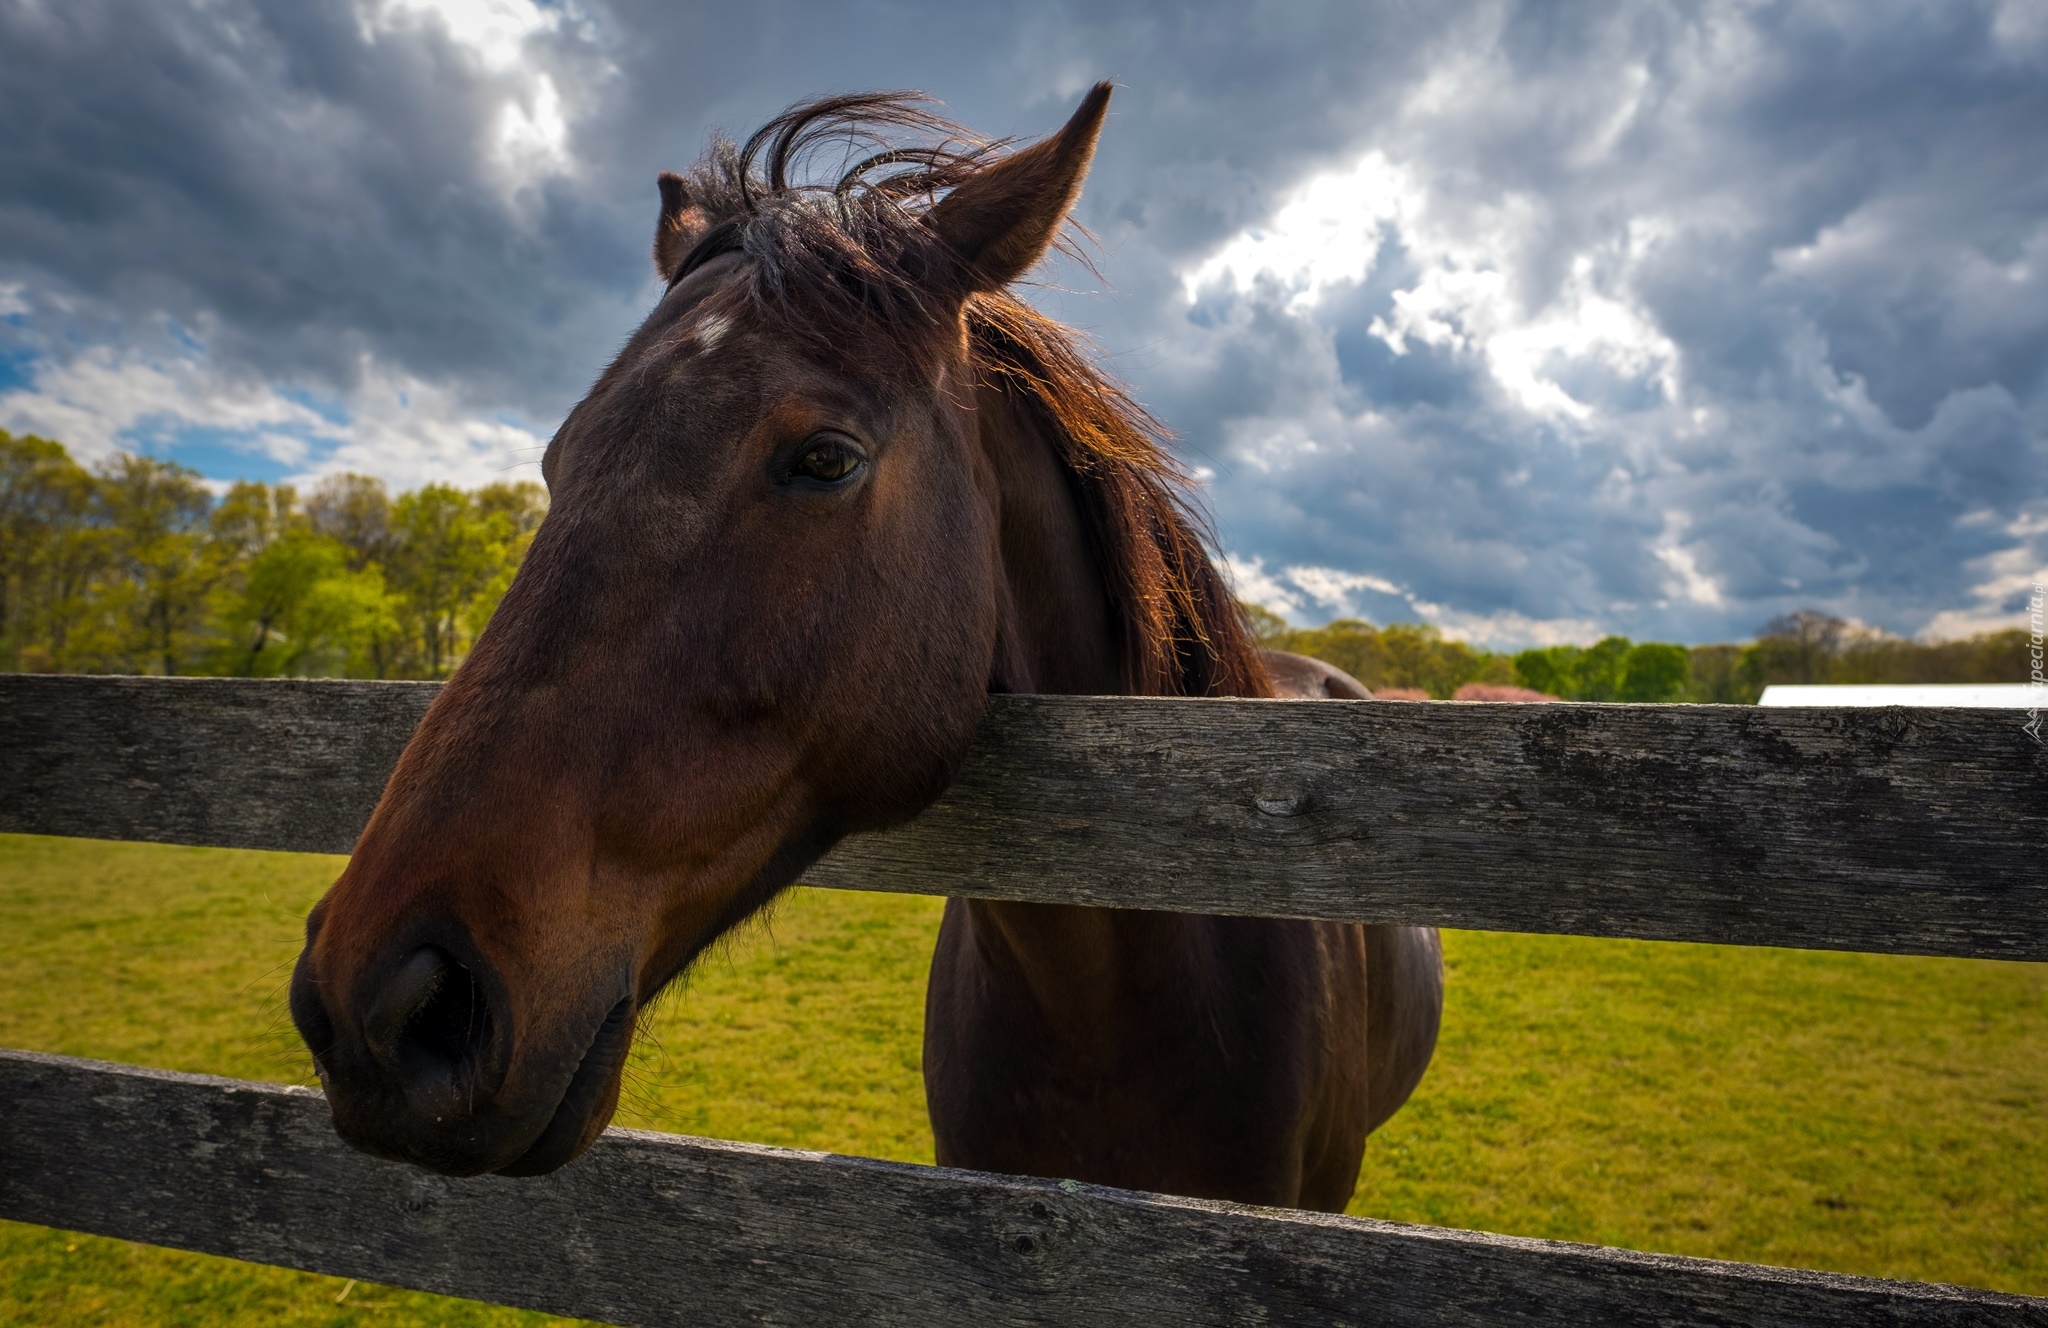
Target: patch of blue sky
222	455
20	348
17	366
327	408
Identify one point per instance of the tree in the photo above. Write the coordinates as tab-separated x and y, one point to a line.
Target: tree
154	606
1551	669
1399	656
1796	648
1417	656
1613	669
1600	669
301	609
451	557
1267	626
347	622
1714	676
1351	645
1990	657
355	511
243	523
514	512
140	568
524	505
52	547
1655	671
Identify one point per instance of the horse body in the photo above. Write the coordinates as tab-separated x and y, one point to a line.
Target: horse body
838	488
1219	1057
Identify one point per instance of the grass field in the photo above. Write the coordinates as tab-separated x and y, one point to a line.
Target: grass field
1850	1112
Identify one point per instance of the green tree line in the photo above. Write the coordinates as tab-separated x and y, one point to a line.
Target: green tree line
136	565
1803	647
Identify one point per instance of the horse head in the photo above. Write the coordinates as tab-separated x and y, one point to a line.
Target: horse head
764	611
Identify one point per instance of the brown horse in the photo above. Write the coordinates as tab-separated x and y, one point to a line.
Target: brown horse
838	488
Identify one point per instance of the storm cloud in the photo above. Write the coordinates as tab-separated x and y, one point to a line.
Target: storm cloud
1533	322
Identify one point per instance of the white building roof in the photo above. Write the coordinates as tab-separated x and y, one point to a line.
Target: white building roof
2003	695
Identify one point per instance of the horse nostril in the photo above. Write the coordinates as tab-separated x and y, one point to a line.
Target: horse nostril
432	1025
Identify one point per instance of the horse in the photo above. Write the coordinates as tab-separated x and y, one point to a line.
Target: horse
837	489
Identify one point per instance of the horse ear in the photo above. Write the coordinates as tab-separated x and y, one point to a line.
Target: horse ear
682	224
1000	222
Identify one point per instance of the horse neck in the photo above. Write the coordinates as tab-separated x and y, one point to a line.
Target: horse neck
1059	636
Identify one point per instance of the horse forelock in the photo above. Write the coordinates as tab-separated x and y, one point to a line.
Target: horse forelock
828	202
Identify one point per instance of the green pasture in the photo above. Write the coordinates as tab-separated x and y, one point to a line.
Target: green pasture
1850	1112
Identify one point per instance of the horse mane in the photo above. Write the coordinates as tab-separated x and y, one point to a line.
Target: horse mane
839	260
1182	633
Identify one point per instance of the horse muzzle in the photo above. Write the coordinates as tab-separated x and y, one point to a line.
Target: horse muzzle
423	1060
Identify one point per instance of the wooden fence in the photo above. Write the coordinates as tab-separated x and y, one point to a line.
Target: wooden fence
1891	831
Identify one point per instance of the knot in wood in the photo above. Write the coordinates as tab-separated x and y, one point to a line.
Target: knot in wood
1281	803
425	1193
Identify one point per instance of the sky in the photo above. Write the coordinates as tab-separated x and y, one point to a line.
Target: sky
1536	322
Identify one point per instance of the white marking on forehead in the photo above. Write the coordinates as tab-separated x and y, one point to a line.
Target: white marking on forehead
711	331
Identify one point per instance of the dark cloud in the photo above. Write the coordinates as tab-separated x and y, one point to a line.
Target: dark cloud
293	192
1678	316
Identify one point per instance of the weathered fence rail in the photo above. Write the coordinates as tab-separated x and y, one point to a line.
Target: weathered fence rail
656	1229
1901	831
1891	830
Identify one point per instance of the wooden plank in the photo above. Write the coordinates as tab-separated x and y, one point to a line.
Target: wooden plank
650	1229
1911	831
235	762
1904	831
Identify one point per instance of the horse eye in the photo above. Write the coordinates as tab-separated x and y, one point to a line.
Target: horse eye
827	460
